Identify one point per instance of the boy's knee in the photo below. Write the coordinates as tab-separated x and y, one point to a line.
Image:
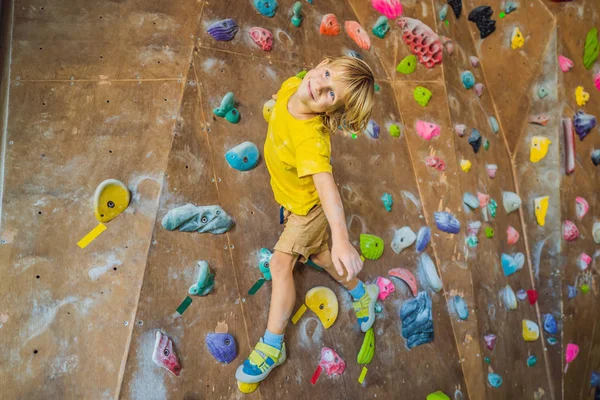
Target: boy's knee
280	266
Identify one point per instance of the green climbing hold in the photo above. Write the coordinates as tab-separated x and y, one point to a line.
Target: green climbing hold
487	360
492	206
367	350
489	232
439	395
407	65
297	17
446	22
486	144
422	95
531	361
377	88
388	201
371	246
301	74
542	92
585	288
502	14
227	110
592	48
394	130
381	27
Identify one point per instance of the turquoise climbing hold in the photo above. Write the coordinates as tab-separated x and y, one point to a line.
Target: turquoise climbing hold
266	7
494	380
494	124
297	17
227	110
468	79
381	27
542	91
461	307
243	157
531	361
206	281
263	262
387	201
443	12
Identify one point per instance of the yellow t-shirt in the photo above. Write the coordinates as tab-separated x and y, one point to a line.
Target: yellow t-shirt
294	151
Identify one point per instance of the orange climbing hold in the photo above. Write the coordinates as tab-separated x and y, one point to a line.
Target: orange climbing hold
358	34
330	25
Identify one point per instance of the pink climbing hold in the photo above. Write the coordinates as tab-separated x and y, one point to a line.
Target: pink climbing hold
597	80
435	162
262	37
406	276
512	235
427	130
163	354
571	354
390	8
491	170
330	362
565	63
538	119
474	61
422	40
460	129
386	287
570	231
490	341
479	89
581	207
484	199
583	261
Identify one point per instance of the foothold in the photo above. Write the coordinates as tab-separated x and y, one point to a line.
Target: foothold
596	157
531	331
430	271
227	110
394	130
581	96
443	12
583	123
531	361
205	283
221	346
322	301
538	148
468	79
386	287
407	65
373	129
247	387
487	360
479	89
417	320
591	49
596	232
381	27
585	288
403	238
484	199
516	40
387	201
460	129
439	395
511	201
475	140
367	349
583	261
358	34
532	296
486	144
243	157
492	207
371	246
422	40
494	380
570	354
471	200
541	209
262	37
489	232
565	63
550	324
571	291
264	261
482	16
268	109
461	307
569	138
595	379
435	162
494	124
570	231
581	207
163	354
512	236
473	228
512	263
521	294
490	341
224	30
510	7
355	54
474	61
203	219
266	7
423	237
465	165
110	199
330	362
508	298
538	119
427	130
406	276
297	14
330	25
446	222
390	8
542	91
472	241
552	341
422	95
491	170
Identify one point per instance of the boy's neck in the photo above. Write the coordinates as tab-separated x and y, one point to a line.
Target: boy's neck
299	110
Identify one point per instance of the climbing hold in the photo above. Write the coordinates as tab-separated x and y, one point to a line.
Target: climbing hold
302	74
427	130
597	80
373	129
541	208
461	307
474	61
538	119
443	12
330	362
387	201
430	271
531	331
297	14
367	349
407	65
565	63
163	354
205	283
224	30
460	129
221	346
583	123
570	231
591	49
322	301
512	235
494	124
439	395
492	207
403	238
489	232
511	201
371	246
581	207
532	296
517	40
538	148
521	294
456	7
390	8
596	157
512	263
227	110
569	137
203	219
473	228
381	27
487	360
435	162
422	40
423	237
422	95
581	97
355	54
472	241
110	199
475	140
247	387
585	288
550	324
494	380
417	320
595	379
486	144
468	79
268	109
243	157
406	276
266	7
484	199
508	298
491	170
552	341
510	7
531	361
571	291
262	37
330	25
583	261
358	34
386	287
264	261
446	222
465	165
471	200
394	130
490	341
482	17
571	354
479	89
542	91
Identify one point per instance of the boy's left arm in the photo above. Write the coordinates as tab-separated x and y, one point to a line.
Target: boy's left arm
343	253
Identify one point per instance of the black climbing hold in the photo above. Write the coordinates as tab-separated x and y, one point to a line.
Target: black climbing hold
456	7
475	140
596	157
482	17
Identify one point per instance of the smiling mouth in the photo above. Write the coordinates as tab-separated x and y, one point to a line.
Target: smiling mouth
310	91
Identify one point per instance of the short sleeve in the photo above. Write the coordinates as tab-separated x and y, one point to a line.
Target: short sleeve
289	86
313	156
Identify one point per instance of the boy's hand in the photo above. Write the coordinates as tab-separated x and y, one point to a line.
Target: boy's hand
344	255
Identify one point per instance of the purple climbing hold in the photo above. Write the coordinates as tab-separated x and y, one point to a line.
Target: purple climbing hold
475	140
482	16
446	222
572	291
373	129
423	237
221	346
583	123
223	30
522	294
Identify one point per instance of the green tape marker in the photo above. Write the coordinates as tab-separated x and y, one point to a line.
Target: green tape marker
184	305
256	286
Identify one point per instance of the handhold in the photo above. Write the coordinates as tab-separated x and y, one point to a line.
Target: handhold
407	65
479	89
482	18
406	276
474	61
224	30
475	140
163	354
322	301
517	40
203	219
394	130
423	237
583	123
439	395
538	119
390	8
473	228
492	207
484	199
381	27
494	380
512	263
386	287
435	162
417	320
422	40
427	130
542	91
205	283
596	157
581	96
512	235
297	14
422	95
446	222
443	12
465	165
531	361
373	129
430	271
358	34
461	307
569	137
330	362
490	341
471	200
511	201
565	63
403	238
110	199
597	80
456	7
571	354
591	49
541	209
387	201
595	379
266	7
581	207
489	232
531	331
243	157
262	37
550	324
583	261
521	294
227	110
264	261
330	25
538	148
570	231
494	124
532	295
268	109
491	170
510	7
508	298
371	246
468	79
221	346
461	129
367	349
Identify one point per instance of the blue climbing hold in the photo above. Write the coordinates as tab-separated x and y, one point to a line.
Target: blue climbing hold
461	307
595	379
511	264
423	237
243	157
494	380
468	79
268	8
446	222
550	324
572	291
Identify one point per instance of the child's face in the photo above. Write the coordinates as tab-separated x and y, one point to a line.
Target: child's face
321	91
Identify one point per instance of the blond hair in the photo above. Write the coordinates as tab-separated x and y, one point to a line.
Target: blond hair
358	97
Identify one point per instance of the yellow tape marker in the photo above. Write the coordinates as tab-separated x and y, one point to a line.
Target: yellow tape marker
363	373
362	258
94	233
299	314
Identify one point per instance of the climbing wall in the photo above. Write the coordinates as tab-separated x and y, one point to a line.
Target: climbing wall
127	90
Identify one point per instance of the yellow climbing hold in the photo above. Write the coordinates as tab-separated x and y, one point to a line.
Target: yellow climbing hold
531	331
541	208
465	165
111	199
581	96
247	387
517	40
322	301
268	109
538	148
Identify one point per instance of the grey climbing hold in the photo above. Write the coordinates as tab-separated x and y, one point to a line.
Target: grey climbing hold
443	12
494	124
417	320
596	157
428	267
461	307
510	7
475	140
203	219
471	200
403	238
511	201
542	91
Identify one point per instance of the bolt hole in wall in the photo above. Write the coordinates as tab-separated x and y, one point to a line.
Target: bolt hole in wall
37	277
39	213
35	351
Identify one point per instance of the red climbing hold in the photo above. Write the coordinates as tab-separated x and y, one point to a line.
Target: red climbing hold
532	295
423	41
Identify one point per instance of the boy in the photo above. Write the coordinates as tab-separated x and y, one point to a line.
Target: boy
338	92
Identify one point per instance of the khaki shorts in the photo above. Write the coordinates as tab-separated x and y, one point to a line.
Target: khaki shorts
304	235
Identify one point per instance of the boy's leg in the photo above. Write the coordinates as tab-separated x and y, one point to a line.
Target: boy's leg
323	260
